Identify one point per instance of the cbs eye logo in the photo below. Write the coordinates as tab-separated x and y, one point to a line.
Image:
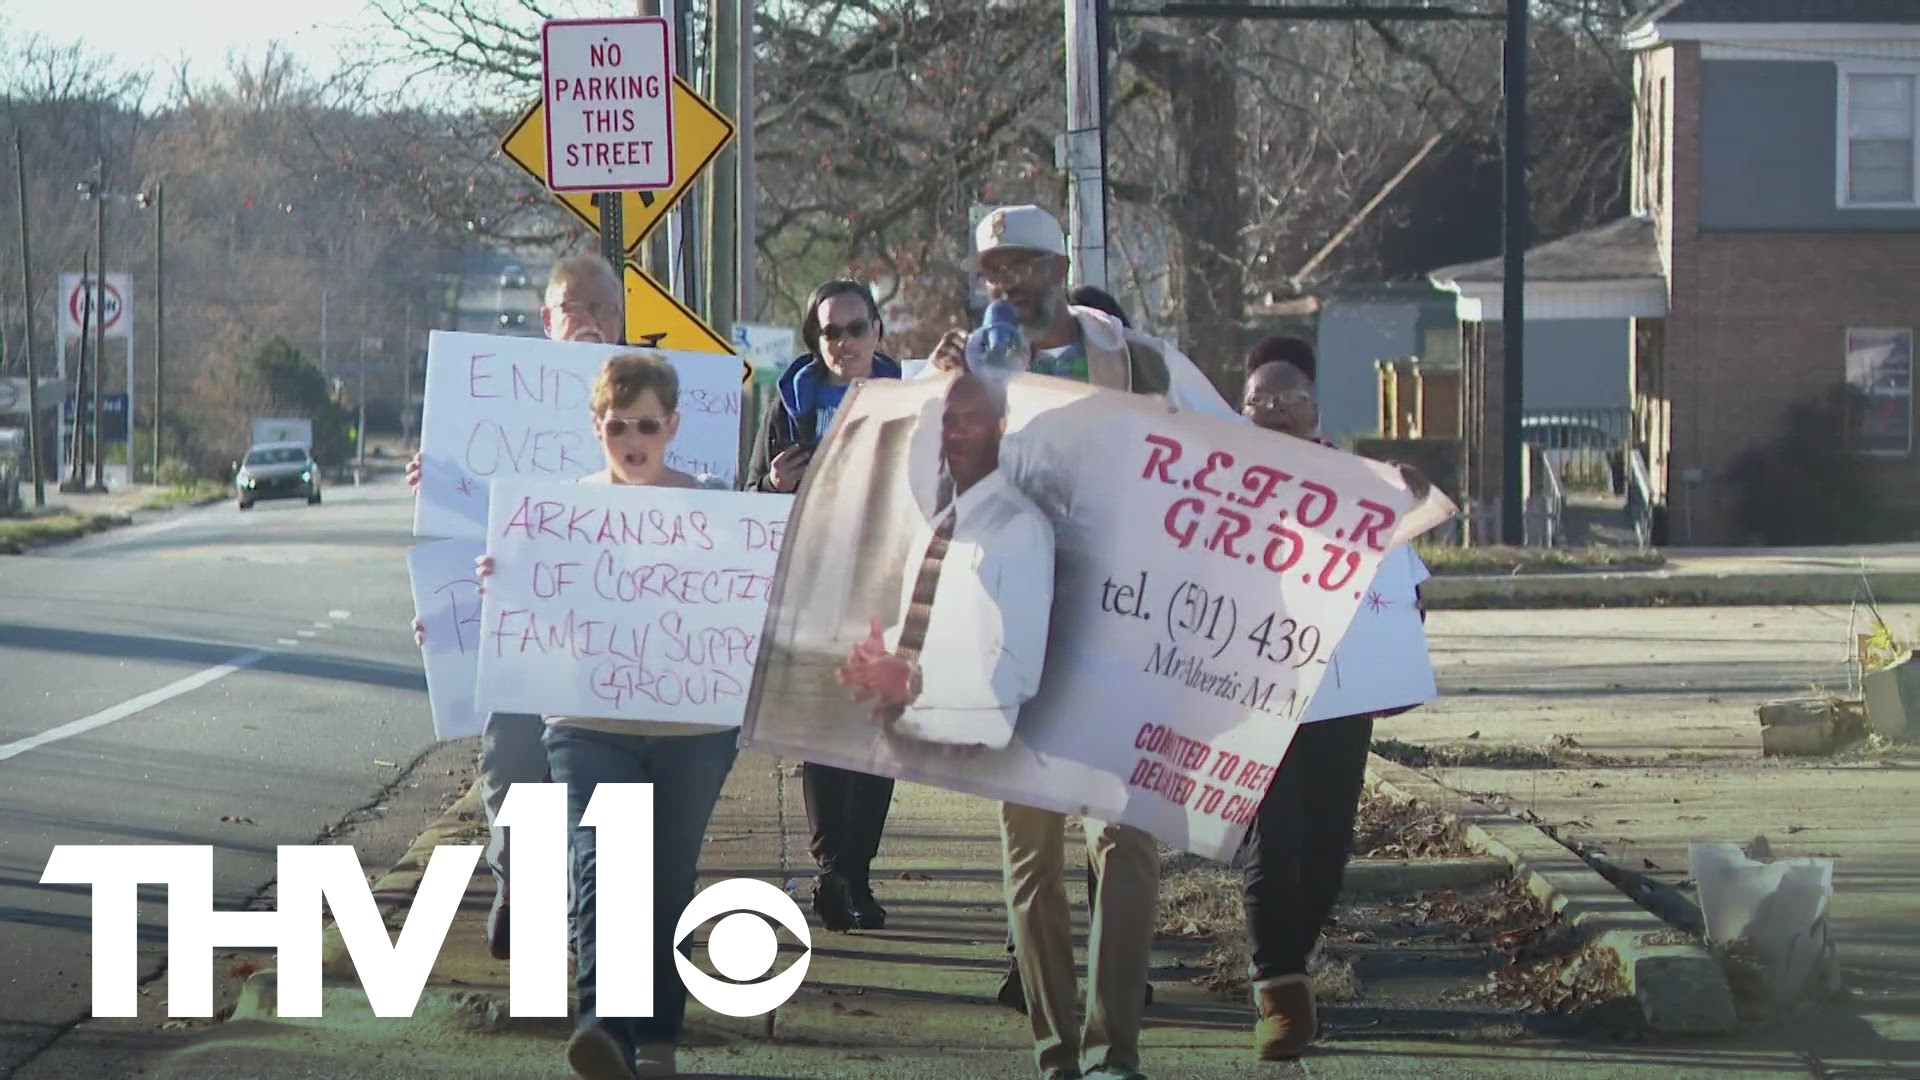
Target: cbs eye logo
743	947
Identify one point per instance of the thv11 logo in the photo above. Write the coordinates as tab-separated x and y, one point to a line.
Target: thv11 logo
742	944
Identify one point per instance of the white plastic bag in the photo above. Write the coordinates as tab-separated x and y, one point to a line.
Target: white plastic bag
1779	908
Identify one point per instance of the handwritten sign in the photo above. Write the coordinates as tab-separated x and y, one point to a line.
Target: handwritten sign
446	596
502	407
641	603
1382	662
1204	573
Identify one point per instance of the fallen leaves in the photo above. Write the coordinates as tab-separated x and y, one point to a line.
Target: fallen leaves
228	819
1385	829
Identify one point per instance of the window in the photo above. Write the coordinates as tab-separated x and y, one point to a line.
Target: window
1877	154
1880	391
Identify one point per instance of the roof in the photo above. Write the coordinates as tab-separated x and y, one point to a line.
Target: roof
1779	11
1623	250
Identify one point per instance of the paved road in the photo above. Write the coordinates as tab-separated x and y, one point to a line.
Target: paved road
236	679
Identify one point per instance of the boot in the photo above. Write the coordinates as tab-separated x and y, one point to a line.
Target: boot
833	901
867	912
1288	1019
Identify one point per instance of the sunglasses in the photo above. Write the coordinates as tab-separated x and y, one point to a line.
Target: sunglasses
856	329
616	426
1280	401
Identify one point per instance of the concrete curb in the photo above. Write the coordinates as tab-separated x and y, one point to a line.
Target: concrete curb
1679	985
1662	588
391	891
1411	877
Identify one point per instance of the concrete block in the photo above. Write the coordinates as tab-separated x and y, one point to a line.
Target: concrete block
1814	726
1681	988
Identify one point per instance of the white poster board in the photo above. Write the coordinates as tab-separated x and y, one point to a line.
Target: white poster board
641	603
446	597
1382	662
502	407
1203	572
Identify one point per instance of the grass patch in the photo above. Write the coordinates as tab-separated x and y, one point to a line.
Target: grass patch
197	493
1447	559
19	534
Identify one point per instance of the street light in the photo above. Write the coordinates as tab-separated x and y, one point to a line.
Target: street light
156	200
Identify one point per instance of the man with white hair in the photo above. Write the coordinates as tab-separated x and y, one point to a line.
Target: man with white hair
581	303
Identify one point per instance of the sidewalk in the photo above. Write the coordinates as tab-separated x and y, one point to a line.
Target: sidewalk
1702	576
915	1000
1635	731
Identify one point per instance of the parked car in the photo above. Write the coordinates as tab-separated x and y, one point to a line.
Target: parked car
276	471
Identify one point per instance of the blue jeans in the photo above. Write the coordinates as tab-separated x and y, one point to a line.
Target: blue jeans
510	753
687	772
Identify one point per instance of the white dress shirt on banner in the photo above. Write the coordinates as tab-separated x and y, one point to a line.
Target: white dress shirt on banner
987	632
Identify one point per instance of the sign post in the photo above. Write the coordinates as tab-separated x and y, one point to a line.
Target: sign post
607	90
624	219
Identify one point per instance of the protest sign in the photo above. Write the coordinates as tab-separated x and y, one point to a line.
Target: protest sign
446	595
636	603
499	407
1131	634
1382	662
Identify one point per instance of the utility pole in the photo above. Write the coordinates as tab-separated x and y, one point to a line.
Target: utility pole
77	479
1513	303
360	429
100	322
723	188
26	285
656	256
159	203
747	303
1083	150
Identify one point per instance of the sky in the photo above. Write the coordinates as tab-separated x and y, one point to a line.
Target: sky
153	35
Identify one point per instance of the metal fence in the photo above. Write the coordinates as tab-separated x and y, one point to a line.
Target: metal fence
1586	448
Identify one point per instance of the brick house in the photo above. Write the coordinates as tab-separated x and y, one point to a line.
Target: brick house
1773	252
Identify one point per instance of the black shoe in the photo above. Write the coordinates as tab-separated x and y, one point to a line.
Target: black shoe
867	912
833	902
1013	993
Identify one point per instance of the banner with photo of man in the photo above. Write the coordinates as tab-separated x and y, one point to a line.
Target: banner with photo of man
1045	593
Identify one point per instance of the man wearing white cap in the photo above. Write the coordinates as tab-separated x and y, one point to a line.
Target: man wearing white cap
1021	253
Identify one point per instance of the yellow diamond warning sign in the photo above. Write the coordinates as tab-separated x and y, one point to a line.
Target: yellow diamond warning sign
699	134
657	320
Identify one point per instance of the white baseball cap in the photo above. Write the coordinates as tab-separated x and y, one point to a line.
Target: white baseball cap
1020	228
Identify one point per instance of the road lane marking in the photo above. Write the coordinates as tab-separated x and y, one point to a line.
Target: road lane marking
320	625
285	641
132	706
336	613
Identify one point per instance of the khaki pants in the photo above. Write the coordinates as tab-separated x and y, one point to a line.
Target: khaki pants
1034	844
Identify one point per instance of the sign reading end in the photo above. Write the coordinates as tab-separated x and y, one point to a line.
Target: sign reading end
607	85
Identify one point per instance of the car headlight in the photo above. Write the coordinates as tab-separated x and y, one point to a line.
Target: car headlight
306	476
246	481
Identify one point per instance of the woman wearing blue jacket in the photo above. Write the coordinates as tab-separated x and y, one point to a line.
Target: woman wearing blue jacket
847	810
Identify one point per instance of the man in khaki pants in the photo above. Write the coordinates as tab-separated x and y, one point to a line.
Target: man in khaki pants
1022	257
